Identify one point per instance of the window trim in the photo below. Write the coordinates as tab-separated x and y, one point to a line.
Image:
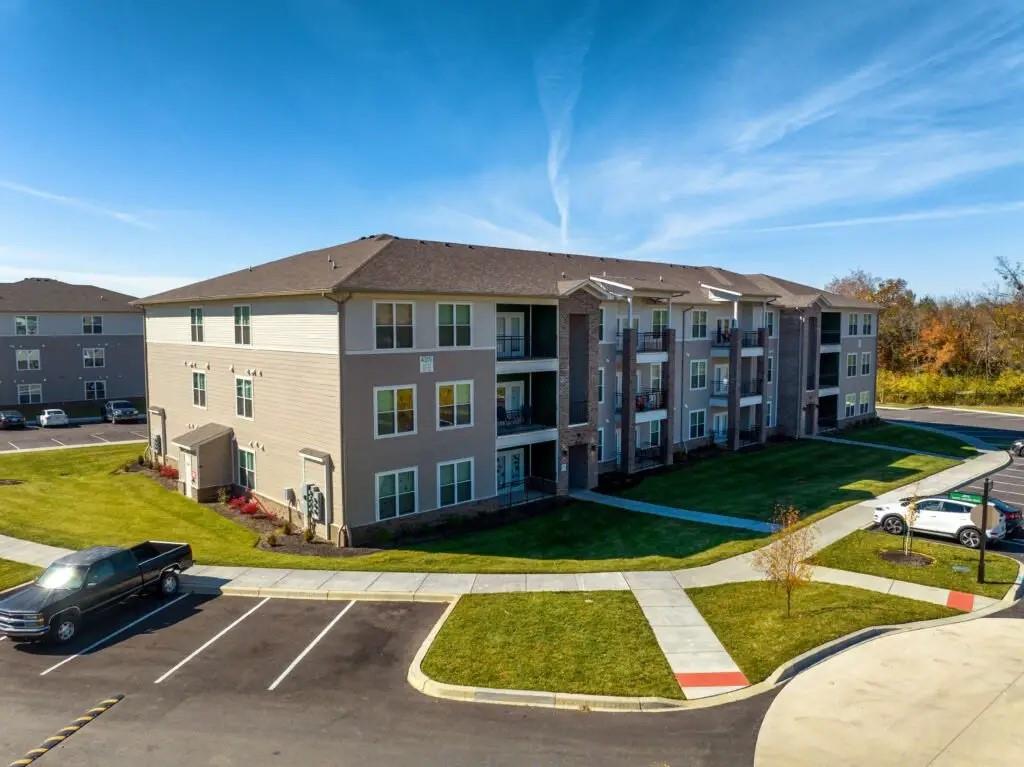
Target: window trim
238	466
668	319
769	368
853	324
650	429
601	385
865	360
92	324
85	390
437	316
202	324
204	390
94	349
455	404
29	369
30	387
415	491
770	326
690	325
855	365
26	318
600	325
373	324
704	423
252	397
661	378
472	482
867	324
864	403
770	407
235	325
600	444
415	412
847	405
690	379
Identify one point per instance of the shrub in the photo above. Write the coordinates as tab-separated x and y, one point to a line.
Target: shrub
936	389
271	539
308	535
142	460
287	528
168	471
223	496
250	507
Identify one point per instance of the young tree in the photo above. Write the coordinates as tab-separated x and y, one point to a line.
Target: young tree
910	517
783	561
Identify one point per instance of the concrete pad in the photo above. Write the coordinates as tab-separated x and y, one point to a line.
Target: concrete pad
705	662
446	585
847	578
686	639
349	581
304	579
650	580
920	593
499	584
661	598
220	571
552	582
603	582
695	693
673	616
397	583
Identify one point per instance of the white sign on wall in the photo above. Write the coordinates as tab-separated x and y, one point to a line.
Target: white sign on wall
426	363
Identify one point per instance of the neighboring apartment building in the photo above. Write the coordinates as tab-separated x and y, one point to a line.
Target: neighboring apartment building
390	382
71	346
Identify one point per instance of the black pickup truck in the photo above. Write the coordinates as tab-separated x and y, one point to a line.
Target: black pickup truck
72	587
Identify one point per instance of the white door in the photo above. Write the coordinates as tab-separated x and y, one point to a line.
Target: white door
721	379
510	395
510	468
720	426
186	472
510	334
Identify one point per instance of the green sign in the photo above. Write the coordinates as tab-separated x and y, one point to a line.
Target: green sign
969	497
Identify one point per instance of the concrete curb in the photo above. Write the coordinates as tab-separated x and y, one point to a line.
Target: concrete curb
192	584
969	410
109	443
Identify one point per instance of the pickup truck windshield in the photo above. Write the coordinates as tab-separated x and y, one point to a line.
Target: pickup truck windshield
62	577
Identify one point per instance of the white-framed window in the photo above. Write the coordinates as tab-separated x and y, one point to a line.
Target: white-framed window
851	365
27	359
600	444
396	493
655	433
95	390
94	358
92	324
394	410
659	320
655	376
454	404
865	363
246	460
769	368
600	324
393	324
195	321
618	383
850	402
698	423
454	482
865	402
698	374
769	323
243	325
26	325
853	325
867	324
199	389
769	406
454	324
30	394
243	397
699	323
600	385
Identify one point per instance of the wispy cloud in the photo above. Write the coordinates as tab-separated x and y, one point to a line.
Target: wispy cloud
559	74
134	284
936	214
76	202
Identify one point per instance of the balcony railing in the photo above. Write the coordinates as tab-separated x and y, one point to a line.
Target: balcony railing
830	337
644	400
719	387
750	435
752	387
827	422
525	489
648	454
825	380
650	342
721	338
513	347
579	411
523	419
750	338
720	436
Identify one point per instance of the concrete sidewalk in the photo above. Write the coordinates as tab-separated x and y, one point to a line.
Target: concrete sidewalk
660	510
890	448
958	600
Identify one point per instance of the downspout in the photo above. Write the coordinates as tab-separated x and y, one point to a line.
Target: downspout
344	536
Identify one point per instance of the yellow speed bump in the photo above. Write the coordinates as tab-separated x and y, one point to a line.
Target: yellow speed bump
66	732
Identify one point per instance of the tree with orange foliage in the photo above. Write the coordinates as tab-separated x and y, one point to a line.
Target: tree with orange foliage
784	560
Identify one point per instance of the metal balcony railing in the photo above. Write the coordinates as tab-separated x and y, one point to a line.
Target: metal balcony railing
525	489
512	347
720	436
825	380
830	337
523	419
579	411
643	400
752	387
648	454
827	422
750	338
721	338
720	387
750	435
650	342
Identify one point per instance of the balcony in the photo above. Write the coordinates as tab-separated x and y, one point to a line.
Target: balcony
644	400
812	382
752	387
830	337
648	455
750	338
721	338
826	422
513	347
525	490
720	388
828	380
579	411
516	421
750	436
720	437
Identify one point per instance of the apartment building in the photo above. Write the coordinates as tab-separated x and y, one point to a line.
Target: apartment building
70	346
392	382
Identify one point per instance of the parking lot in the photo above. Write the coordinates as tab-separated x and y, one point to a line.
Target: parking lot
237	681
33	437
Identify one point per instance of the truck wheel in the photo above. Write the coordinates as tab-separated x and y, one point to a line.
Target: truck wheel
169	584
63	628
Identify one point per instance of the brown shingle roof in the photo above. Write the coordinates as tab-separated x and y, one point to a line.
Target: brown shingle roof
42	294
799	296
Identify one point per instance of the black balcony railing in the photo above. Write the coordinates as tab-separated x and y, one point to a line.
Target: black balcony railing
721	337
522	419
650	342
646	399
525	489
827	422
750	435
750	338
513	347
648	454
825	380
719	387
719	436
579	411
830	337
752	387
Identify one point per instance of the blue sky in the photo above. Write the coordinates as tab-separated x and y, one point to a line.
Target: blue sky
143	145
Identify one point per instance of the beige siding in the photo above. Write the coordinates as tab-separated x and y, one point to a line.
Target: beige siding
360	330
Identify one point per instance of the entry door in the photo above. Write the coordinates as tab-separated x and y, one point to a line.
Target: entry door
510	468
721	379
720	426
186	471
510	396
510	334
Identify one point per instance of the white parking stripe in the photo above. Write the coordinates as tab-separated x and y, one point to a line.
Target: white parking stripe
139	434
310	646
211	641
108	637
58	441
14	446
97	436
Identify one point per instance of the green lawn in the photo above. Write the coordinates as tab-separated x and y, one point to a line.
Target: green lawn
910	438
750	619
74	499
858	552
817	477
15	573
588	642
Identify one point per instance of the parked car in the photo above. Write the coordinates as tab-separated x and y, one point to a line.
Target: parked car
74	587
53	417
120	410
11	419
1017	448
941	516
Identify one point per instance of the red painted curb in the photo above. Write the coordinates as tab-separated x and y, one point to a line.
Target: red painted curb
958	600
713	679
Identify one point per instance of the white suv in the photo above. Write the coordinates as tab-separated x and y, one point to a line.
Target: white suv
941	516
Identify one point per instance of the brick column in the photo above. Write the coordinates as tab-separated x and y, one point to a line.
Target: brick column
735	358
762	364
628	458
671	387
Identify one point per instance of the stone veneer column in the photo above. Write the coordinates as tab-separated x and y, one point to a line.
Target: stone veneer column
671	387
580	302
628	411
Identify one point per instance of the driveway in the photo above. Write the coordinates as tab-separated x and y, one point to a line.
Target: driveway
12	440
197	677
998	430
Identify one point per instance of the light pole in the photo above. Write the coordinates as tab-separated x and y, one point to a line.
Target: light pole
984	529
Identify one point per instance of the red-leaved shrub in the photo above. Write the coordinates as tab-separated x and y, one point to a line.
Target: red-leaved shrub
250	508
169	472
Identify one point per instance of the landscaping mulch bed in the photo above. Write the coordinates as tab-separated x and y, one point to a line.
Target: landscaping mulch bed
913	559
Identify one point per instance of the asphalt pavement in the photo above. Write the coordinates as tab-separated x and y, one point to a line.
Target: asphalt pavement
35	438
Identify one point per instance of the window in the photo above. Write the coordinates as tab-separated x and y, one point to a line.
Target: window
30	394
865	363
243	325
92	324
854	324
655	433
600	384
27	359
698	374
26	325
199	390
454	404
94	358
395	410
656	376
769	407
866	324
600	444
453	324
865	402
769	323
246	468
95	390
243	397
659	320
600	325
699	323
769	368
851	365
697	418
396	493
454	482
851	405
394	325
195	320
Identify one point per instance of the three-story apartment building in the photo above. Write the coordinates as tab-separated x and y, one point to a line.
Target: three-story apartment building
390	382
71	346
